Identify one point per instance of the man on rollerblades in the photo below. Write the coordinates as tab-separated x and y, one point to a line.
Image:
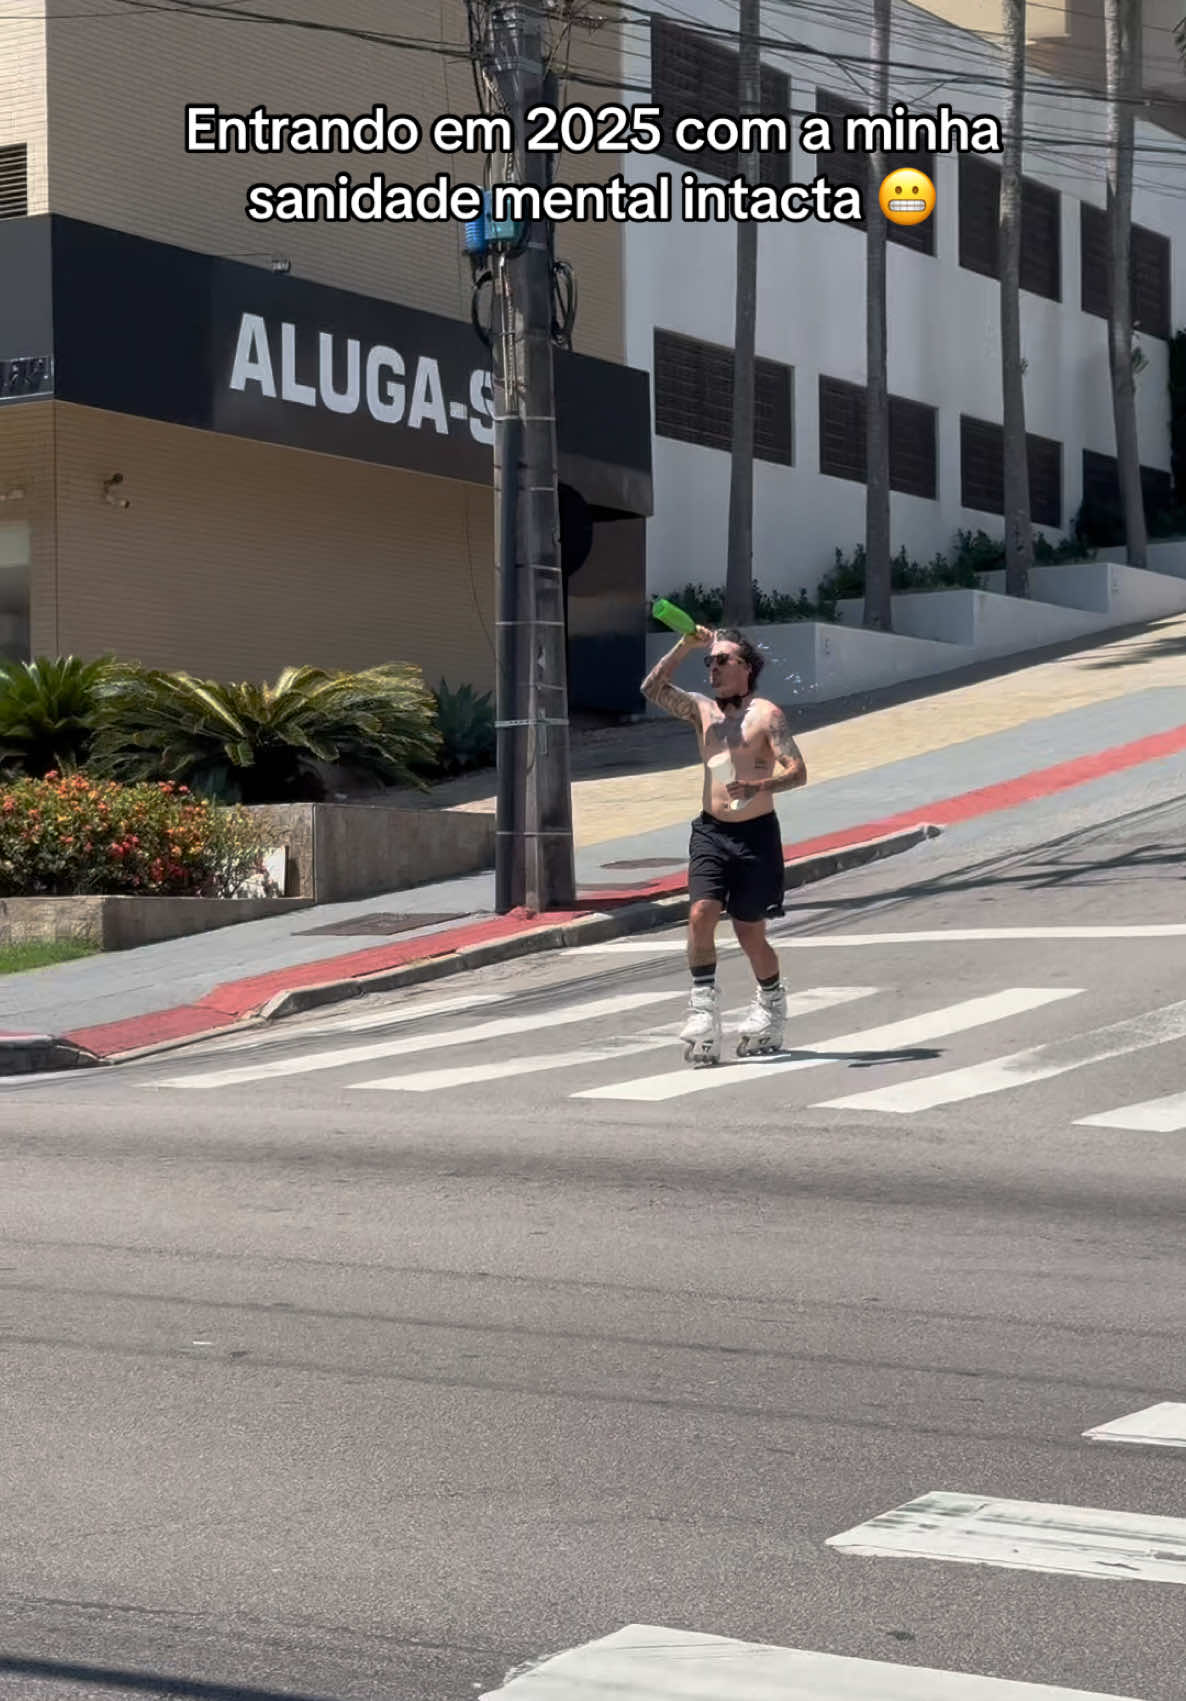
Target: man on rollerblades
735	852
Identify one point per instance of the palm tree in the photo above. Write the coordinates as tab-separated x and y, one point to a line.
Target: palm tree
1019	547
878	604
739	587
1122	24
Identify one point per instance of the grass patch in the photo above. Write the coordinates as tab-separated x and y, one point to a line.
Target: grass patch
38	954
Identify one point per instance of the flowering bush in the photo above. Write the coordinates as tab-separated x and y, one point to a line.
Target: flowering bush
68	835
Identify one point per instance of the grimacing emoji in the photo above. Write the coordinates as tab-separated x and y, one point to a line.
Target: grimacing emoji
907	196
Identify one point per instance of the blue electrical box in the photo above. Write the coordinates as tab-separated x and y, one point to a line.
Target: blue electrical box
487	232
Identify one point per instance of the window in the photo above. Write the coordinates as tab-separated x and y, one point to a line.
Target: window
1149	272
982	471
694	397
1101	487
14	182
841	167
842	446
1150	269
1044	465
693	76
979	235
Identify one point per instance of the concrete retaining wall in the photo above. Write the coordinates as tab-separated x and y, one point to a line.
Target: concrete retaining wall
1164	555
338	852
985	622
1127	595
813	661
121	923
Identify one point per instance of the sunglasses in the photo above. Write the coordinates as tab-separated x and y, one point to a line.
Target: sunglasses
719	661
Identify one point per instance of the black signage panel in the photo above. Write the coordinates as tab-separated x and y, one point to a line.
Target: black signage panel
348	375
163	333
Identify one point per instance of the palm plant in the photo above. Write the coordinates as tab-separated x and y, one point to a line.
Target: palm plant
247	743
878	613
1122	29
46	711
466	722
1019	545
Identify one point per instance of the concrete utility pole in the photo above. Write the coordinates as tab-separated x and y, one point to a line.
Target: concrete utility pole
534	858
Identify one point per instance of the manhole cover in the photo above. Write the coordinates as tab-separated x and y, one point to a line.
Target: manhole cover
380	923
648	862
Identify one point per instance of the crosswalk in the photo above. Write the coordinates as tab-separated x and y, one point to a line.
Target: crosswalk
622	1049
613	1038
657	1663
652	1662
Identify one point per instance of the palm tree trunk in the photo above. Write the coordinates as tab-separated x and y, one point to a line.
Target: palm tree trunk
1019	546
878	605
1123	35
739	587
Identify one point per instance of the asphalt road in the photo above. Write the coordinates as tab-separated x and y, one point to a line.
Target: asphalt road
316	1385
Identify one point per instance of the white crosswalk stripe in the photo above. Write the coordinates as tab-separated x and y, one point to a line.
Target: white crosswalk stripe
437	1080
1026	1535
913	1030
930	936
1150	1116
403	1046
649	1662
354	1022
1163	1425
1152	1027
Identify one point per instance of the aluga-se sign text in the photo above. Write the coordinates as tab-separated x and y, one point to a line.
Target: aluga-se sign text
324	370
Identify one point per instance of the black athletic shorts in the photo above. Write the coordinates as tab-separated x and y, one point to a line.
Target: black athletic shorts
739	863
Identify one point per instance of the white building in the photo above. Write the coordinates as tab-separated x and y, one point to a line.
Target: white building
943	304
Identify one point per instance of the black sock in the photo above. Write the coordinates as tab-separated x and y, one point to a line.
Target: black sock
705	975
769	985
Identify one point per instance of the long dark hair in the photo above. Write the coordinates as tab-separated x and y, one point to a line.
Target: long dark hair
754	659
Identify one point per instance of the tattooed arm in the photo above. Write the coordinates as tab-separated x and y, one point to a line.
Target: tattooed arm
790	770
658	688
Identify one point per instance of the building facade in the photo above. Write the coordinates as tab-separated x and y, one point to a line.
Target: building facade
211	462
943	306
232	447
1066	39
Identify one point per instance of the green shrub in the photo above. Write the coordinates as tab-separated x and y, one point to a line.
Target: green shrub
466	725
974	554
67	835
264	743
47	709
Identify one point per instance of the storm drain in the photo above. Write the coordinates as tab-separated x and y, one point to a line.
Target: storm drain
379	923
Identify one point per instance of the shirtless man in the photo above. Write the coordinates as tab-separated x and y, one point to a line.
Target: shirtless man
735	855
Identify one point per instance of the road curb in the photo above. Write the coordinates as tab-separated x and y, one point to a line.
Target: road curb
39	1054
642	917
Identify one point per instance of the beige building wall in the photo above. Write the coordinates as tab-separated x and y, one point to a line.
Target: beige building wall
23	91
119	85
1067	39
237	559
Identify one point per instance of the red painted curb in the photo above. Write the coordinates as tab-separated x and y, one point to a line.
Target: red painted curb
236	999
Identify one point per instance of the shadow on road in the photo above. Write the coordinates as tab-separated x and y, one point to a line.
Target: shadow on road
147	1683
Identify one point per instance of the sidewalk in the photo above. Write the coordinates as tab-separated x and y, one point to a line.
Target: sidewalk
931	754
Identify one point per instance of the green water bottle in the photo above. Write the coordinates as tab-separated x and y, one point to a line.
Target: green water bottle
672	616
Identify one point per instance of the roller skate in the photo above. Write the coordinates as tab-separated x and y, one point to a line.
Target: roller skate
760	1034
701	1035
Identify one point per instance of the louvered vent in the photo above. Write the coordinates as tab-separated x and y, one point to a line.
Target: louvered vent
14	182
